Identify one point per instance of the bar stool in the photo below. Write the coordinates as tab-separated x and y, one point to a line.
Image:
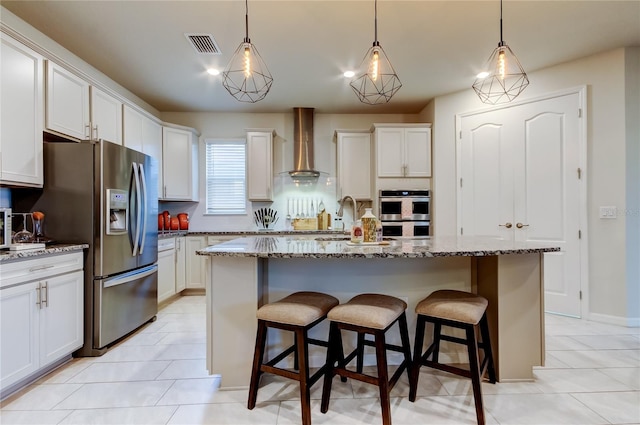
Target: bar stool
298	313
461	310
367	314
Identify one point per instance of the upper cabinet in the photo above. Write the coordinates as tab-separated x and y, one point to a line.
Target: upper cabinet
353	156
260	165
403	150
21	73
179	165
75	109
144	134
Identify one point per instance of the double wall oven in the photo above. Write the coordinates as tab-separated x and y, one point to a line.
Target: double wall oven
405	212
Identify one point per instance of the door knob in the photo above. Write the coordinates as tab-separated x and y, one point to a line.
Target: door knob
520	225
507	225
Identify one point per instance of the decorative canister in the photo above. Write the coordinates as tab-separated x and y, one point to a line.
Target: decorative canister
369	226
356	232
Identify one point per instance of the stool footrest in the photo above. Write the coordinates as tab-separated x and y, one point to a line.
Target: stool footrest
390	347
453	339
447	368
281	356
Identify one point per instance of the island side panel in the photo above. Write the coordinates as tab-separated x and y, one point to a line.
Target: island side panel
513	285
233	294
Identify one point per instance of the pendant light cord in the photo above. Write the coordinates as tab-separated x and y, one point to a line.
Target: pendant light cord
501	40
375	23
246	21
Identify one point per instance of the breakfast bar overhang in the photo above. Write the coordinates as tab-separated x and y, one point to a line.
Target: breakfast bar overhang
245	273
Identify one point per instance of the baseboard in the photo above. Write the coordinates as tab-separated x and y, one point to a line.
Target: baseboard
629	322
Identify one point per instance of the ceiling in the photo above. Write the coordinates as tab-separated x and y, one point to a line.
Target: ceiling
436	47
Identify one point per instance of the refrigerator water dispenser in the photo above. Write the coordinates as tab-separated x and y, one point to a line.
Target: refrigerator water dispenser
118	212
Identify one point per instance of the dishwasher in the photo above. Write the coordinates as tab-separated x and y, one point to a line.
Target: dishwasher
166	268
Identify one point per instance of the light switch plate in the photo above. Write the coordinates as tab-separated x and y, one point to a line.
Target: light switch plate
608	212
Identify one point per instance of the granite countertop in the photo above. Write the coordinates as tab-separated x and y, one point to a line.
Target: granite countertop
7	255
175	233
340	247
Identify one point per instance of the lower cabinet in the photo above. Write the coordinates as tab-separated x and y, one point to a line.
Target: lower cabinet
181	264
166	268
41	314
195	264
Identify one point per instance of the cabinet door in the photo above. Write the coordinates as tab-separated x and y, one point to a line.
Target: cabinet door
181	264
177	165
106	117
67	110
21	114
195	263
61	316
354	165
132	122
259	166
18	333
166	274
152	146
417	152
390	152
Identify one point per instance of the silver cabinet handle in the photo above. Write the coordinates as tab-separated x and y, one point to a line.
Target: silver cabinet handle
95	129
38	302
35	269
507	225
520	225
87	131
45	299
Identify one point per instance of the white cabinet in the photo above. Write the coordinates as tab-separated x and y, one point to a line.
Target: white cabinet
21	73
166	268
181	264
195	264
260	165
143	134
403	150
353	158
76	109
41	314
179	165
106	116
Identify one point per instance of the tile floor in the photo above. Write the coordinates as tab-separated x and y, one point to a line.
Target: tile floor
158	376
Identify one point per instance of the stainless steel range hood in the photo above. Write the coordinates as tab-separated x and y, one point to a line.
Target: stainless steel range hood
303	145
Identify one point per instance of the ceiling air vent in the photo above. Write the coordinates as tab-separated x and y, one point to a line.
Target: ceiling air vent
204	44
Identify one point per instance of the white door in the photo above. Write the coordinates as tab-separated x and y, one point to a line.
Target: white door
521	181
67	103
106	117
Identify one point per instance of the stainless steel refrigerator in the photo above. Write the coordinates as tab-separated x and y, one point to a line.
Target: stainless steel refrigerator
105	195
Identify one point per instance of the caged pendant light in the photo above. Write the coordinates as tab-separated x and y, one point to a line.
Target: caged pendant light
502	78
376	81
247	77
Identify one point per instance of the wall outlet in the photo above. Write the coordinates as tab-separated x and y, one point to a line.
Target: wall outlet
608	212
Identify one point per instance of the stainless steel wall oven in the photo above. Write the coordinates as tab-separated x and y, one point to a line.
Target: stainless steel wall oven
405	212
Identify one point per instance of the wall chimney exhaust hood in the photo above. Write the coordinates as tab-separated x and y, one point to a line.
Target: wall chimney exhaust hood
303	145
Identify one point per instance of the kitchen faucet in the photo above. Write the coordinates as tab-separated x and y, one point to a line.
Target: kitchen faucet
354	207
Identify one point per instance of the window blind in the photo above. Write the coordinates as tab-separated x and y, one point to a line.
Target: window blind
226	176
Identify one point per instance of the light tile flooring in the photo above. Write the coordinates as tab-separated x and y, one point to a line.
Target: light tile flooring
158	376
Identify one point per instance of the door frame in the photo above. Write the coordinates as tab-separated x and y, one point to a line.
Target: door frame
581	91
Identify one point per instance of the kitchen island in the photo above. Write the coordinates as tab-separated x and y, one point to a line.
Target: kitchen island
244	273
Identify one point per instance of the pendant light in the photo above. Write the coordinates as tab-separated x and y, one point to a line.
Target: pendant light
502	78
247	77
376	81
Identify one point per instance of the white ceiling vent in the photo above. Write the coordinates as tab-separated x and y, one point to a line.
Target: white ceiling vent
204	44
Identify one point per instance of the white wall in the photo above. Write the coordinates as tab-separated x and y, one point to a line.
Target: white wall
233	125
607	139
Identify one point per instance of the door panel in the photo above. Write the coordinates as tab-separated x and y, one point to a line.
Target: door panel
519	165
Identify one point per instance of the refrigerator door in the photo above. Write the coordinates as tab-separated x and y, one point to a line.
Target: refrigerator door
148	245
123	303
115	174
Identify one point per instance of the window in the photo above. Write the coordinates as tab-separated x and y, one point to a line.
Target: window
226	176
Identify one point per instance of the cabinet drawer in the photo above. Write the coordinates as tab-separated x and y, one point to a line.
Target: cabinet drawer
28	270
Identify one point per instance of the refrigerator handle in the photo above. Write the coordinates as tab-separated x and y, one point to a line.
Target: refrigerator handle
130	276
143	206
136	179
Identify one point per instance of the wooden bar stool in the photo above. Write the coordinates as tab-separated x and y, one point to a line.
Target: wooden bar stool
462	310
298	313
367	314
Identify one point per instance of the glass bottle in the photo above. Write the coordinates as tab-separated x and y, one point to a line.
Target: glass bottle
356	232
369	226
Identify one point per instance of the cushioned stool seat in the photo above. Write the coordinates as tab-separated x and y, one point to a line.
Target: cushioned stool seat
367	314
298	313
461	310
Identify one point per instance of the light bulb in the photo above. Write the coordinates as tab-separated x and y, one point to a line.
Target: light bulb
502	64
375	65
247	62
